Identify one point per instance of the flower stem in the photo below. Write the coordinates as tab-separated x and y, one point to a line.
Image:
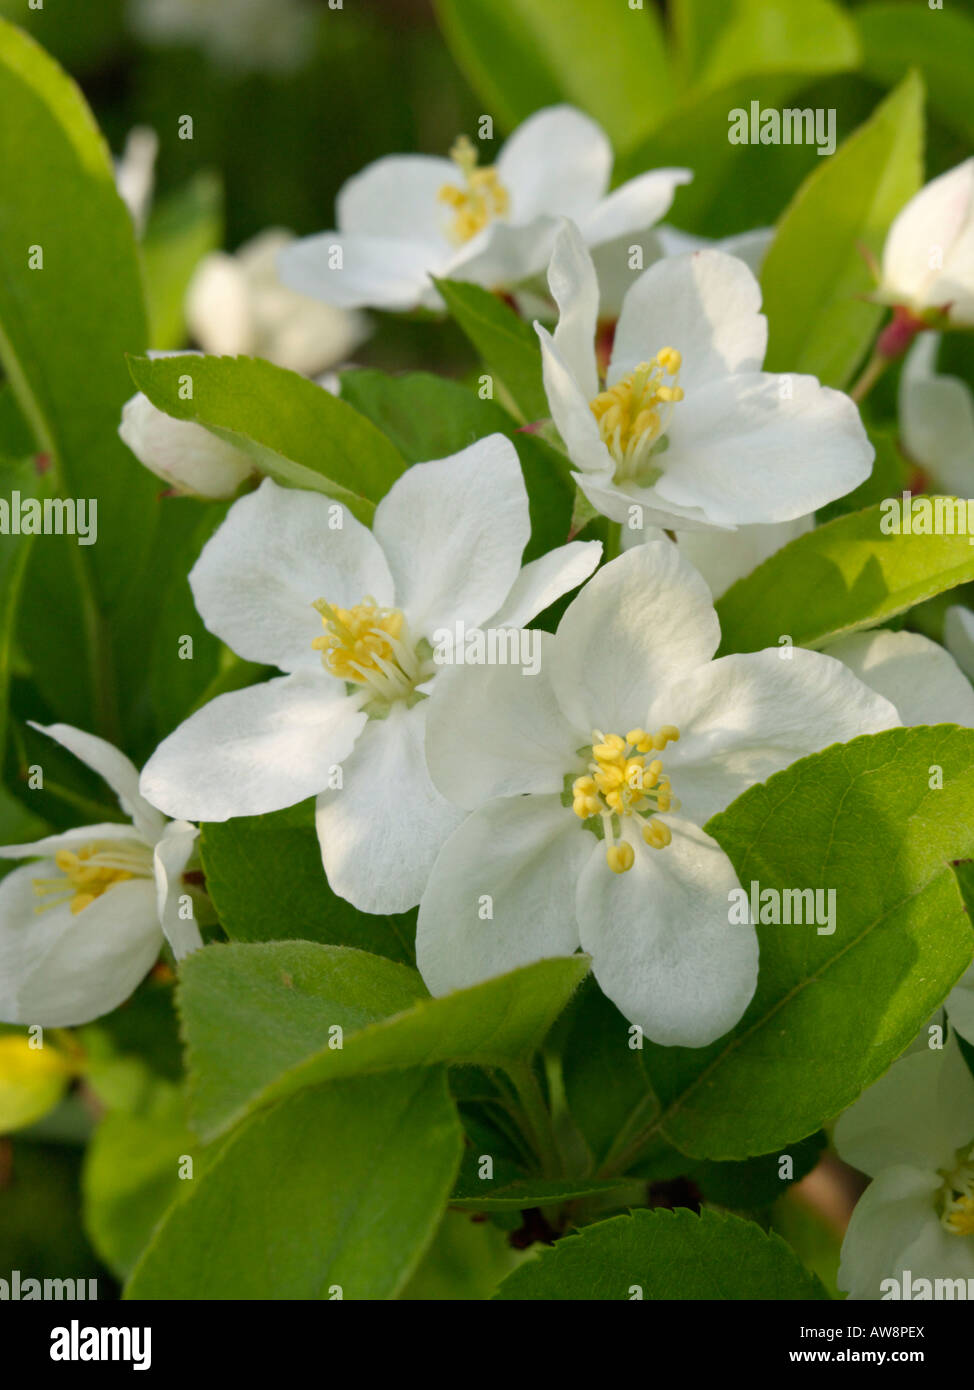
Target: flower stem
873	370
538	1119
613	541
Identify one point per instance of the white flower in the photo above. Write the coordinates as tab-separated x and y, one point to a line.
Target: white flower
187	456
627	714
407	217
959	637
687	427
913	1134
272	35
937	420
82	925
237	306
928	259
135	174
292	579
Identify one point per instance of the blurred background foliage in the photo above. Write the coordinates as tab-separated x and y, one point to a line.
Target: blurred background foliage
279	123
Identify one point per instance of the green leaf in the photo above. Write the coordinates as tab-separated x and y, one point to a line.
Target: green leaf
838	578
896	38
292	428
610	60
888	478
65	327
182	229
260	1020
665	1255
427	417
265	878
832	1011
520	1194
22	479
507	344
335	1193
815	268
751	37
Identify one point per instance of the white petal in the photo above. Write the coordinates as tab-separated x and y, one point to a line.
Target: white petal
571	279
723	557
893	1219
398	196
923	234
745	451
114	768
185	455
72	839
633	206
497	731
749	715
359	271
623	501
570	410
453	532
937	420
959	637
276	552
60	969
542	581
255	750
218	309
920	1112
502	892
706	305
381	832
172	854
643	621
502	255
916	675
662	946
749	247
557	162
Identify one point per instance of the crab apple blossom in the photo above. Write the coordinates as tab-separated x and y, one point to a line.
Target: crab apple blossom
408	217
85	921
292	579
928	258
589	784
686	430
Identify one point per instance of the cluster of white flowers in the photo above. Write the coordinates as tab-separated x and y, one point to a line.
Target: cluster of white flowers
530	814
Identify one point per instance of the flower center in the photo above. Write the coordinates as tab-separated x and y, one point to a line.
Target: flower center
85	874
482	197
369	646
958	1199
620	782
633	414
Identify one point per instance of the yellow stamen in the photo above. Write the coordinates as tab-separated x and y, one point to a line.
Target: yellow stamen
632	415
368	645
482	198
621	782
87	873
960	1219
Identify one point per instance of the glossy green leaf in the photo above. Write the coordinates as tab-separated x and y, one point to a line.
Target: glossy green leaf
838	578
264	1021
334	1193
666	1255
815	273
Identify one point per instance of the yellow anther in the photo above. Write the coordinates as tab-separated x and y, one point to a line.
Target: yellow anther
636	737
960	1220
88	872
632	414
669	733
367	645
656	834
482	199
635	774
620	858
